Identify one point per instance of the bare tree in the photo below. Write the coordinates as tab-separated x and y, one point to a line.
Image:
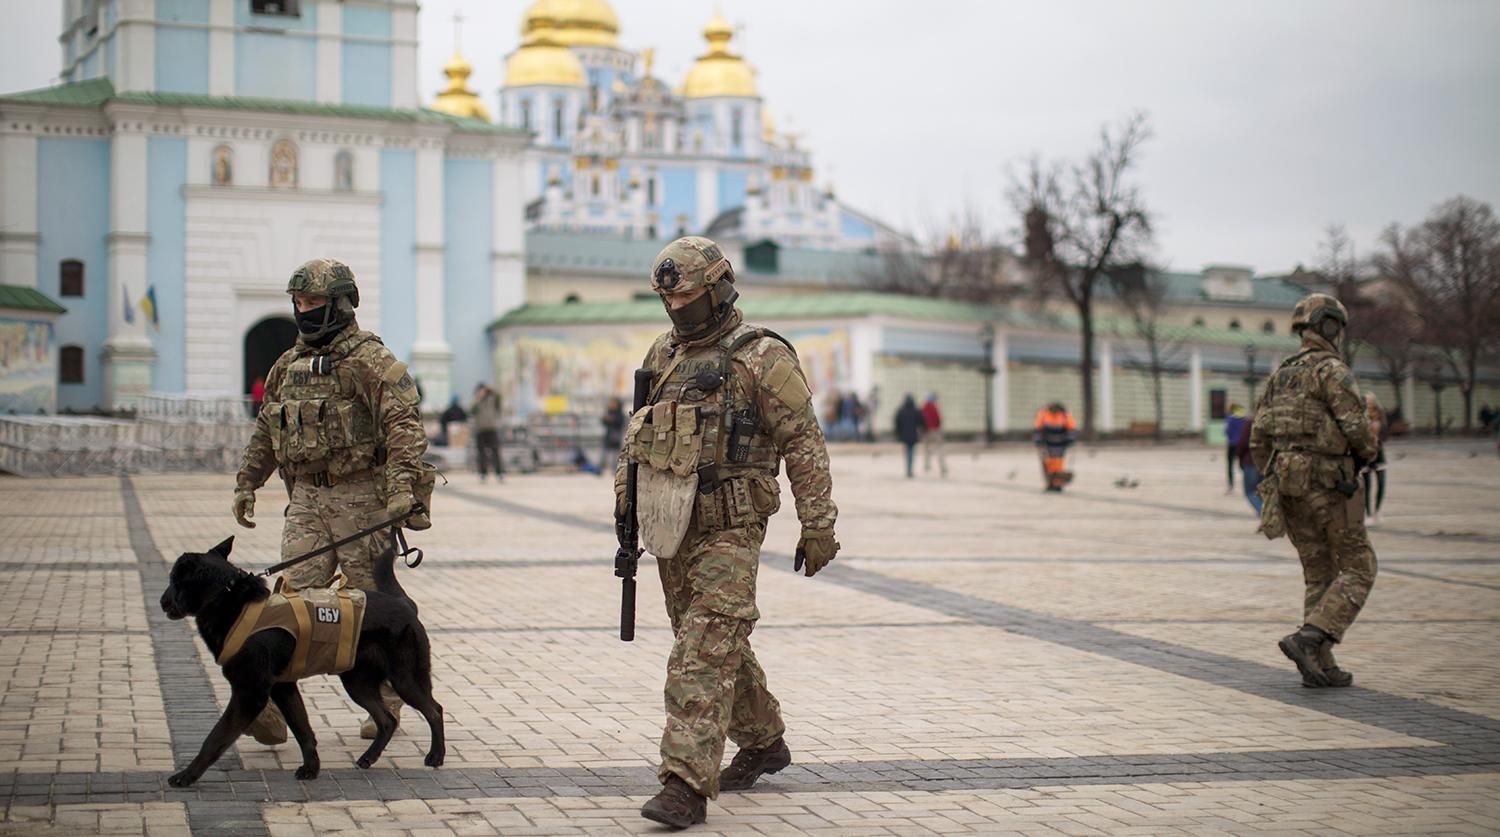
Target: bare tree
1142	292
1392	336
1080	222
1450	266
965	262
1345	277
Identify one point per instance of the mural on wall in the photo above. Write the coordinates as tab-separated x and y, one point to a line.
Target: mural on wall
28	378
535	370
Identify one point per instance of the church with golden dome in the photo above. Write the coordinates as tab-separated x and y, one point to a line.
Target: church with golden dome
618	151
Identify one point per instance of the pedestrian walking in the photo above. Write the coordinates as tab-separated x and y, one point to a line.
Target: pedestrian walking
257	396
1309	427
486	412
1234	426
932	436
1375	471
1053	433
614	433
1249	474
909	427
340	425
728	405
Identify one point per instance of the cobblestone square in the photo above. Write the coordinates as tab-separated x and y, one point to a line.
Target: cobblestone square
982	658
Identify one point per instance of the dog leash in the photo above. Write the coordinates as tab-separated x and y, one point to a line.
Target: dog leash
405	552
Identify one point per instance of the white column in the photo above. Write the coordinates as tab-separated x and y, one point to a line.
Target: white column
221	48
1409	398
128	355
1106	386
708	198
431	358
135	46
864	345
508	265
1000	384
404	56
18	223
1195	389
330	52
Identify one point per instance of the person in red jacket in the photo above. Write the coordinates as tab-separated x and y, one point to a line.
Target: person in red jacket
932	437
1054	433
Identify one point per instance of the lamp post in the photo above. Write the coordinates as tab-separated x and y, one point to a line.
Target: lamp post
1435	380
987	369
1250	377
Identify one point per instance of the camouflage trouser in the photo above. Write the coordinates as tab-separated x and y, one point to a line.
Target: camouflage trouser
318	517
714	685
1338	565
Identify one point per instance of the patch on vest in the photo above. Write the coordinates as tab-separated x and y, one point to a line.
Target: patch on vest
401	383
327	614
785	382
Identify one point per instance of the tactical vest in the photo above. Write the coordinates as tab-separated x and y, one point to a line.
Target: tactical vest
698	419
1299	418
325	623
320	421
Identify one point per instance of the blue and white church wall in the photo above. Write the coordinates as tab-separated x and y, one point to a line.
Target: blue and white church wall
355	52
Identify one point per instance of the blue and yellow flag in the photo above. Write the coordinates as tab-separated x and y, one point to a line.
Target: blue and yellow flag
148	305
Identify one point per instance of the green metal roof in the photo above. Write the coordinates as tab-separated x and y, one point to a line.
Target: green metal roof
856	305
633	256
1187	289
98	92
28	299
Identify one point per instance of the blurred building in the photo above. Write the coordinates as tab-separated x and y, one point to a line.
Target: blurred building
199	150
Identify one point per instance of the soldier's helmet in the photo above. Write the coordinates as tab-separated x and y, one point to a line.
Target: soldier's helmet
687	264
1313	309
330	278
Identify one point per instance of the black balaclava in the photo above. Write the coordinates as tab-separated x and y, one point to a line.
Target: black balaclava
319	326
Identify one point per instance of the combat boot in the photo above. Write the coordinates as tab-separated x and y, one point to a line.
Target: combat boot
749	764
1337	677
678	805
269	727
1302	647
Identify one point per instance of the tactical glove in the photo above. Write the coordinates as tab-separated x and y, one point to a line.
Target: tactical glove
398	504
816	548
244	507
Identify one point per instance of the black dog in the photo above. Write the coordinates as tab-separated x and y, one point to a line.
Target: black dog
392	646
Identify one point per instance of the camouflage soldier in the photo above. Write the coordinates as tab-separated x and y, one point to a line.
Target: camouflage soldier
728	402
340	424
1311	437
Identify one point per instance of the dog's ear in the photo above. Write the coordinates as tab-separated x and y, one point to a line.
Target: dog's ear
222	550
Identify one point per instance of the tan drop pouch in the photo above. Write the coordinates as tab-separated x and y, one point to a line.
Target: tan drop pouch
668	450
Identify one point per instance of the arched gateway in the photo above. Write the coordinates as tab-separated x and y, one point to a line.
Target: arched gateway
264	342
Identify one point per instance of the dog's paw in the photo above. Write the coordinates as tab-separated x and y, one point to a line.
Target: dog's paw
434	759
181	779
308	771
364	762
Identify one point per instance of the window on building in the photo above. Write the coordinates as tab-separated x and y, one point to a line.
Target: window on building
557	119
1268	327
1198	322
526	114
594	186
283	8
91	17
651	191
70	278
70	365
1234	325
737	126
572	298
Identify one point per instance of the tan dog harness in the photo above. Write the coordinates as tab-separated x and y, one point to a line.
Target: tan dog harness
324	622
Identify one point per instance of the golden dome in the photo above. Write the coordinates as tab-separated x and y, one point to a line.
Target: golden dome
719	72
576	22
458	99
541	59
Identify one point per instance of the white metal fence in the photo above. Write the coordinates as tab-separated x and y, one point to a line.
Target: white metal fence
169	433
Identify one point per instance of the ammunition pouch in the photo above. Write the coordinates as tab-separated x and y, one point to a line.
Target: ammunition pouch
1272	518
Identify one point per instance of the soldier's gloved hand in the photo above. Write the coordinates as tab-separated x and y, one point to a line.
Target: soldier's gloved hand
244	507
399	504
816	548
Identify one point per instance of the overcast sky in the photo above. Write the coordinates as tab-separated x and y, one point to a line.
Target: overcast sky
1272	118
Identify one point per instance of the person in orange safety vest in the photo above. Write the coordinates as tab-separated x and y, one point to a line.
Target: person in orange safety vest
1055	431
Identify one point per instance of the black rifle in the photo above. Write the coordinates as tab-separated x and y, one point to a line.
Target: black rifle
628	556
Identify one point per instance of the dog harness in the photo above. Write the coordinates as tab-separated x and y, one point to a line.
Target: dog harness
324	622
